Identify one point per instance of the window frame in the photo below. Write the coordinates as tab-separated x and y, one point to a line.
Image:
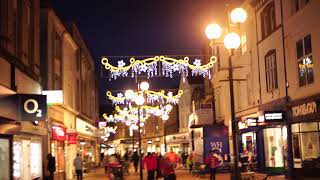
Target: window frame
268	20
271	71
302	59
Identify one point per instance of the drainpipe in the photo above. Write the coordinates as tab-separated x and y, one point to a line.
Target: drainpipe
290	174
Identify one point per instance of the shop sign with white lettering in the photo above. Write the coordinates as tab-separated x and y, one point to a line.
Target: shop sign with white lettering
304	109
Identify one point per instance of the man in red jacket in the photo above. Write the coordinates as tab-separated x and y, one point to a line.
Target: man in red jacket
213	162
150	162
167	168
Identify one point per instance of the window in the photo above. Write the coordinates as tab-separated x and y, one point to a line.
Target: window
271	71
298	4
306	144
305	61
268	20
243	43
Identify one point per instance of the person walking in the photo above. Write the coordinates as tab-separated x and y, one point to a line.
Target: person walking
167	168
135	159
78	165
159	175
150	163
212	162
105	163
51	166
190	161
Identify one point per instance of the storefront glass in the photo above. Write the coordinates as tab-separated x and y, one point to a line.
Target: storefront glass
306	146
249	155
57	150
274	146
36	159
4	159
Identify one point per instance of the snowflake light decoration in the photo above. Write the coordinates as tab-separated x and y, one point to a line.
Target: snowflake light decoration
168	67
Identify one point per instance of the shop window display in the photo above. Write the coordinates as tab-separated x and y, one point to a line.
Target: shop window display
58	153
4	159
306	145
275	146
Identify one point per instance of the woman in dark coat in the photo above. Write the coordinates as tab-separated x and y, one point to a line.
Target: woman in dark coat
51	166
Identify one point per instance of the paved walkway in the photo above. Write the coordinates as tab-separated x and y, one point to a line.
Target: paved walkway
181	175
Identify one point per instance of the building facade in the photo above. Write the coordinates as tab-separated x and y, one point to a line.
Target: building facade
23	110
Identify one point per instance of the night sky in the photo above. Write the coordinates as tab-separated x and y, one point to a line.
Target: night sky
141	27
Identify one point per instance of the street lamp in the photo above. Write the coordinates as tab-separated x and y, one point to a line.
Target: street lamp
213	31
165	117
231	42
144	86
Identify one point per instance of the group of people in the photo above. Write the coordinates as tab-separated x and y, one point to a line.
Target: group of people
77	162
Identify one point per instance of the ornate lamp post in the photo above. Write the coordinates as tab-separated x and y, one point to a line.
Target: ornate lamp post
165	117
231	42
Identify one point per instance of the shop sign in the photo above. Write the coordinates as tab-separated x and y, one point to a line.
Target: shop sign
85	128
24	107
204	115
273	116
54	97
72	137
58	133
304	109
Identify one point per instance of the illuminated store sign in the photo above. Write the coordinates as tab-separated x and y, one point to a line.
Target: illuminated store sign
54	97
58	133
304	109
271	116
24	107
86	128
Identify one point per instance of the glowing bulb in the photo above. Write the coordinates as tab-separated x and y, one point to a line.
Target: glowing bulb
139	100
108	135
129	94
169	107
238	15
141	124
232	41
128	122
213	31
144	86
165	117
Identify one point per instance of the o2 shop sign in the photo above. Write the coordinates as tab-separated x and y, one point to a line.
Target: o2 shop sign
33	107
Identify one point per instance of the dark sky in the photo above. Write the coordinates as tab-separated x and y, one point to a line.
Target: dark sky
141	27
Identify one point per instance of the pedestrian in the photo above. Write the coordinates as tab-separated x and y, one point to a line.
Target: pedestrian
126	156
51	166
190	161
105	163
159	175
212	162
167	168
173	158
184	158
78	165
135	159
150	163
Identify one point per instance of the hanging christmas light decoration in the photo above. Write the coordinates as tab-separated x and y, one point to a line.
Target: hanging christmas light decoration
168	67
152	97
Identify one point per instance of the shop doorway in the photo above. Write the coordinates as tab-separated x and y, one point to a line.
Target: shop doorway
25	159
5	158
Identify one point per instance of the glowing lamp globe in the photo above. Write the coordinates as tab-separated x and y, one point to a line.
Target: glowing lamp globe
144	86
128	122
139	100
135	127
232	41
165	117
238	15
169	107
141	124
213	31
108	135
129	94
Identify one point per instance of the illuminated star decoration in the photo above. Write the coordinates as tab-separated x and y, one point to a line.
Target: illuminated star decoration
168	67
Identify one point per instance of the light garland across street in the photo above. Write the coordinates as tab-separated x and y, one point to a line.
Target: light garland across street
152	97
168	67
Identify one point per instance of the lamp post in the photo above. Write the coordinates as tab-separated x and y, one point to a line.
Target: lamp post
165	117
231	42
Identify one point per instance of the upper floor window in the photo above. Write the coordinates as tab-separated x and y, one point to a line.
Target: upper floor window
305	61
268	20
271	70
298	4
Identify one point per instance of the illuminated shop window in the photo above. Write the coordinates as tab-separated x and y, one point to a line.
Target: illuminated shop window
306	145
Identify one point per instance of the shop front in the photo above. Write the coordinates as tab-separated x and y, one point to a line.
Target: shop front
87	144
304	118
178	143
21	132
263	139
57	145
